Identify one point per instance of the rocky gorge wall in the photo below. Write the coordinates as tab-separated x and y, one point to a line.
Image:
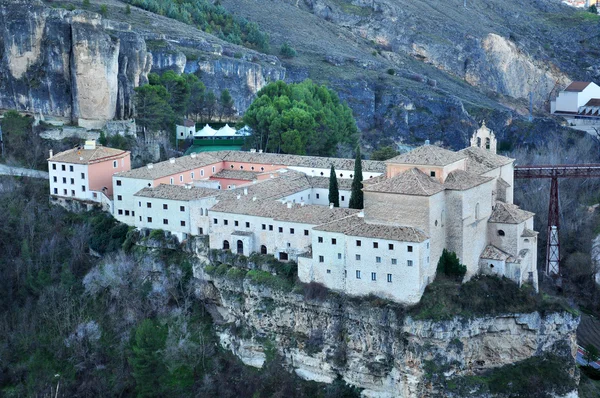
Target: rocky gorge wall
80	66
372	346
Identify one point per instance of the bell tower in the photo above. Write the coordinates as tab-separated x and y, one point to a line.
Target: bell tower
484	138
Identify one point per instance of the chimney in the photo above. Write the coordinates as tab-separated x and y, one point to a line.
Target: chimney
150	165
172	160
253	150
188	186
331	205
239	196
245	191
302	204
90	144
361	214
289	205
260	151
80	158
193	155
426	142
51	153
254	198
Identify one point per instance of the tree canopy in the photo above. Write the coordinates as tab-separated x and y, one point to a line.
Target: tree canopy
356	196
384	153
334	192
300	118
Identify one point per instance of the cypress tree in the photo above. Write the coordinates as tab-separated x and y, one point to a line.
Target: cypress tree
356	197
334	192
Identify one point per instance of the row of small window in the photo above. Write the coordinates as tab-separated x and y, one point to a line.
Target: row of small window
63	167
149	204
359	243
126	212
64	179
377	259
165	221
373	276
263	226
242	167
65	192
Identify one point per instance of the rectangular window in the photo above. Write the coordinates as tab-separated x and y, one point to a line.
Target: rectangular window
320	239
215	221
306	232
389	278
373	276
247	225
83	176
358	243
428	245
165	206
236	223
63	167
375	245
56	191
133	213
72	192
149	219
83	188
65	191
318	196
72	181
321	259
181	208
264	226
165	221
432	173
140	218
114	164
357	274
118	183
139	204
410	249
409	263
64	180
182	223
202	173
181	178
55	179
270	227
70	168
149	205
357	257
120	212
53	166
394	261
213	169
333	241
377	259
192	175
225	222
339	256
342	198
200	231
291	231
329	271
126	212
280	230
119	197
391	246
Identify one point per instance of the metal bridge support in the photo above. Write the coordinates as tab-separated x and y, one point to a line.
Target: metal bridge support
553	243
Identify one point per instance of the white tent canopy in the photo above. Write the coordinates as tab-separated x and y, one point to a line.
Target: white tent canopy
206	131
225	132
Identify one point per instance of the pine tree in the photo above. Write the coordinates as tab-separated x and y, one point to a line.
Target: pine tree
334	192
148	369
356	197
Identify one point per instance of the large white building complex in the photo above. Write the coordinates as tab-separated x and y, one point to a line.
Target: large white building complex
415	205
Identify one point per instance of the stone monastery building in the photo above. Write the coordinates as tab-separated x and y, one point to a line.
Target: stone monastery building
415	205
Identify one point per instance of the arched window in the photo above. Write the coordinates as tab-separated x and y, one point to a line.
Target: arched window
487	143
477	211
263	249
501	232
225	245
479	142
240	247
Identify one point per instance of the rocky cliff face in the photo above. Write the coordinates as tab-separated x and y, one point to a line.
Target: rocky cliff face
77	65
375	348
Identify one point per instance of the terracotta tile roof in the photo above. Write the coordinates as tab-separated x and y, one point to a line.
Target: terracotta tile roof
493	253
409	182
236	175
430	155
177	192
577	86
300	161
460	180
296	213
80	155
508	213
171	167
356	226
481	161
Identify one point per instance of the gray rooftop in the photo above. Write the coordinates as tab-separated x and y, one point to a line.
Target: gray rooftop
171	166
409	182
177	192
508	213
236	175
481	161
493	253
430	155
356	226
296	213
460	180
80	155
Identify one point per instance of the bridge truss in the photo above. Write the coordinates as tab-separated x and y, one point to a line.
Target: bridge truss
554	172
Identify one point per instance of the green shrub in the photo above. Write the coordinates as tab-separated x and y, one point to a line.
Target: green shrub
236	273
391	71
287	51
158	234
86	3
267	279
222	269
103	10
593	9
128	9
450	265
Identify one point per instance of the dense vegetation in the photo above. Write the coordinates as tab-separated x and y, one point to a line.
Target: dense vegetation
300	118
211	18
127	324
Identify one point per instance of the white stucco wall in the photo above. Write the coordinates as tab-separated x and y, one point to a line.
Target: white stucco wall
73	185
123	198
